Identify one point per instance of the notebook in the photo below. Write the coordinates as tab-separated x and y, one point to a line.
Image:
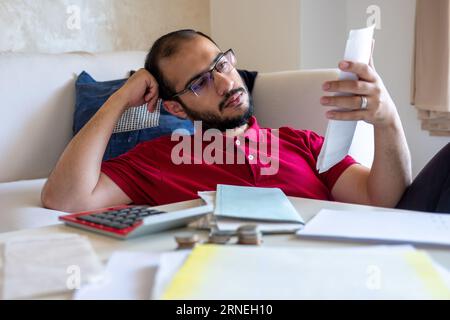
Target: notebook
257	204
387	226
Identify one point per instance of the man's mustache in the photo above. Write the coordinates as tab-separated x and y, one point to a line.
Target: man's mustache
228	95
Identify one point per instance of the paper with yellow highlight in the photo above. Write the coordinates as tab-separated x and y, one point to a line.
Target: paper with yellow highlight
239	272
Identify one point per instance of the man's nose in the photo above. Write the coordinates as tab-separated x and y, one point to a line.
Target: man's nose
223	83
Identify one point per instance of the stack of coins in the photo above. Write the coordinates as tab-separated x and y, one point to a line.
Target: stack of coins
249	234
187	241
220	237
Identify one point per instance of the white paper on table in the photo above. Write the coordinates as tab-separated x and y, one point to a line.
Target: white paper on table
385	272
42	265
339	134
128	276
205	222
208	196
169	265
225	224
389	226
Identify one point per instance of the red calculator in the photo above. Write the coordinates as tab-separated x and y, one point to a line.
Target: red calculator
126	221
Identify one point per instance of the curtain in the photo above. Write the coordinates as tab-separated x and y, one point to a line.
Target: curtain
430	92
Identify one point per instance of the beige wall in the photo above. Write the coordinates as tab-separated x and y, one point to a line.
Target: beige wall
265	34
105	25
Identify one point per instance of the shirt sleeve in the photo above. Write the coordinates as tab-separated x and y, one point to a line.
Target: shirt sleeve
137	174
331	176
249	78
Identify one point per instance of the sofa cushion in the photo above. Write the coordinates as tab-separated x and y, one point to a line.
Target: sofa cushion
22	208
136	124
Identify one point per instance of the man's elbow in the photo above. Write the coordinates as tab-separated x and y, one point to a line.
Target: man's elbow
50	202
386	200
58	202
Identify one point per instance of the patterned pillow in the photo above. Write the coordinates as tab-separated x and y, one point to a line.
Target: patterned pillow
136	124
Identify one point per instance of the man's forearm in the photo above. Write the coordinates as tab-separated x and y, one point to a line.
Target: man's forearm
77	172
391	169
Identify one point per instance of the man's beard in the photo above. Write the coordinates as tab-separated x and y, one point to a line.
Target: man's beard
213	121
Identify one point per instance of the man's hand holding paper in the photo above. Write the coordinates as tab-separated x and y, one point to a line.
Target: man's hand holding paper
380	110
360	94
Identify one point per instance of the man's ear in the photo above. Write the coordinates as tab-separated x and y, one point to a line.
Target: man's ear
175	108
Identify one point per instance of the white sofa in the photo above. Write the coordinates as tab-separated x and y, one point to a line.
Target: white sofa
37	98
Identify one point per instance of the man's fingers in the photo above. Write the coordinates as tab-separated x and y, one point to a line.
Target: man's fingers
350	86
347	115
149	96
362	70
347	102
152	104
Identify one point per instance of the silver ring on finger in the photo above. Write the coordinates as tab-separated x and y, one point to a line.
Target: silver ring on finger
364	103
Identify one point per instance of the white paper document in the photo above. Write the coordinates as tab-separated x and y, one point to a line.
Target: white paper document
43	265
380	226
128	276
239	272
339	134
134	276
169	265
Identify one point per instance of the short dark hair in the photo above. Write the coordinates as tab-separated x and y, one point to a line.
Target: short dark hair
165	47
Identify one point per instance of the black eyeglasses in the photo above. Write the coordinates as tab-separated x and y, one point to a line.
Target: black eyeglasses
225	63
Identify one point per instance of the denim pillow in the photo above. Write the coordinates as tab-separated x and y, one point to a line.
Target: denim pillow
91	95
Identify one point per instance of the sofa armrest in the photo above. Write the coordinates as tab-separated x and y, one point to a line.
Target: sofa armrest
292	98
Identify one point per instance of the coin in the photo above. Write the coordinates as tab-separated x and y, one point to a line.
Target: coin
249	234
187	241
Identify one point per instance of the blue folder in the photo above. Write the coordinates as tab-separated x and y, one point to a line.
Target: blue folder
259	204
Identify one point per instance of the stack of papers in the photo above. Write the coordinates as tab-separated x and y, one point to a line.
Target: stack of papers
236	272
267	207
44	265
388	226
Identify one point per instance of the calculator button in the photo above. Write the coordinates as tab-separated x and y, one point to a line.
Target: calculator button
118	225
104	222
89	219
144	214
158	212
100	215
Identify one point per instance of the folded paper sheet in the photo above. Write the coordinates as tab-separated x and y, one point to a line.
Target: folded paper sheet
218	272
339	134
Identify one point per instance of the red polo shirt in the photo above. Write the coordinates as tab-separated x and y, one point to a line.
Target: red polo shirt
148	175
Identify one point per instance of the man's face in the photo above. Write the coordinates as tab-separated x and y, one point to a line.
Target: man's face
224	103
